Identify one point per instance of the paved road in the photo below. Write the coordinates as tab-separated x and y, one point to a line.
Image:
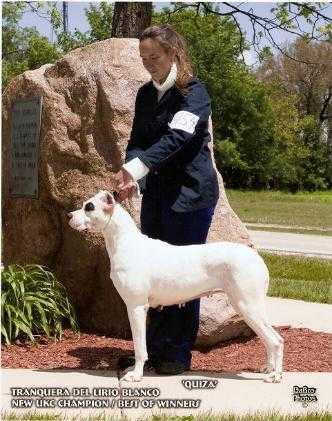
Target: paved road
304	244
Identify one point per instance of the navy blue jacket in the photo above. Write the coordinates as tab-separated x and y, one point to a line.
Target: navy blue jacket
178	157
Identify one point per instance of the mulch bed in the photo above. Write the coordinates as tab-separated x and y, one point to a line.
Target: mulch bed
305	350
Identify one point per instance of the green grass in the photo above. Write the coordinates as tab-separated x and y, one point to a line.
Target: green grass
274	207
323	416
206	416
29	415
300	278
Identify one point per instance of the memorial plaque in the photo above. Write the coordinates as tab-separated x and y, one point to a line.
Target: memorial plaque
26	119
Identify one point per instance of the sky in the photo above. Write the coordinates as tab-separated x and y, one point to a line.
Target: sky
77	19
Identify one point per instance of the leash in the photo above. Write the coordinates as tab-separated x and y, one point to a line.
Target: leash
138	190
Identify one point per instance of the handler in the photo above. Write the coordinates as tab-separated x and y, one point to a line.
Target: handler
168	153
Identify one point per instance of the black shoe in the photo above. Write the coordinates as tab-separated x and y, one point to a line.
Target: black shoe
171	368
125	362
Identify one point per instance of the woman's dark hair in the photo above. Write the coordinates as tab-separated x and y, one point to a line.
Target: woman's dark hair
169	39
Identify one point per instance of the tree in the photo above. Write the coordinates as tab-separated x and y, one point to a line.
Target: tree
100	18
312	84
293	18
22	48
130	19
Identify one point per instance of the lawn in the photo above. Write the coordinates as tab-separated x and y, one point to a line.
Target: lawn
311	210
313	416
301	278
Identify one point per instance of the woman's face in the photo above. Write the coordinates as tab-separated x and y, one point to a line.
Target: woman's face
155	59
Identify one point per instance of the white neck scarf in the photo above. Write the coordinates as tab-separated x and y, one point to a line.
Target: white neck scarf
169	82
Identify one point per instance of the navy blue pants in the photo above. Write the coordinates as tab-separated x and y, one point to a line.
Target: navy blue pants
171	332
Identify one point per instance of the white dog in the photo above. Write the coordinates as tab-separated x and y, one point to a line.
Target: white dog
152	273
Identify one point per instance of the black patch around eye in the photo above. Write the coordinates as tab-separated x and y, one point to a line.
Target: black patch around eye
89	207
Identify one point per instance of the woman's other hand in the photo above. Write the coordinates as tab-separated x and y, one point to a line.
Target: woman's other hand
122	179
127	192
124	185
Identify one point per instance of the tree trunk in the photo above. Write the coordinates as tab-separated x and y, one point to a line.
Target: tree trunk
130	19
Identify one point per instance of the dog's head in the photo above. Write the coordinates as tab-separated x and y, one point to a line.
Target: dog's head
95	213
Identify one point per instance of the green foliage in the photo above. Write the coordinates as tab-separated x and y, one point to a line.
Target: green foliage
22	48
68	42
25	49
282	14
33	302
55	15
228	157
40	51
303	16
315	167
265	53
100	17
100	20
326	30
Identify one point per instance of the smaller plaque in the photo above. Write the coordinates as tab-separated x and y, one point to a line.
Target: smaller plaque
25	130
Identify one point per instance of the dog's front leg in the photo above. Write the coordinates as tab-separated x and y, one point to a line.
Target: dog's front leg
137	319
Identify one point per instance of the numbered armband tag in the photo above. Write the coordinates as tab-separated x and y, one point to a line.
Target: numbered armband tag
184	120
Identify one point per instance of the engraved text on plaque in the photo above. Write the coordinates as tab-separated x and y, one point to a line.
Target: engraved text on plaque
26	118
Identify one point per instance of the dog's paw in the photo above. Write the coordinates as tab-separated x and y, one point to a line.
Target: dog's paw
274	377
132	376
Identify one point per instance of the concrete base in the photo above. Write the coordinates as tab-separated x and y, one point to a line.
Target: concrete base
297	313
219	393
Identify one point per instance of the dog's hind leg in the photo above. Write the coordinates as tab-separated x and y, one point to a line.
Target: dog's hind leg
260	306
137	319
253	314
274	360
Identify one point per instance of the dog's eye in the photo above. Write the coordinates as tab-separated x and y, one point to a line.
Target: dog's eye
89	207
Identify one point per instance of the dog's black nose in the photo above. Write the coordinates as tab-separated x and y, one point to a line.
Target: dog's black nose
69	215
89	207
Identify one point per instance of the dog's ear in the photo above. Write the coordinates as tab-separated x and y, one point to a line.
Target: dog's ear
108	200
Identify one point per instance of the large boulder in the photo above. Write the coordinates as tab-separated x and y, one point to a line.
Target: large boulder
219	321
88	104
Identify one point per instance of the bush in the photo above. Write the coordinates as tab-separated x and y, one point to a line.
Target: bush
33	302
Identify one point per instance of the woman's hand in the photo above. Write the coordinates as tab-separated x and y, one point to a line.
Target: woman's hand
124	185
122	179
126	193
